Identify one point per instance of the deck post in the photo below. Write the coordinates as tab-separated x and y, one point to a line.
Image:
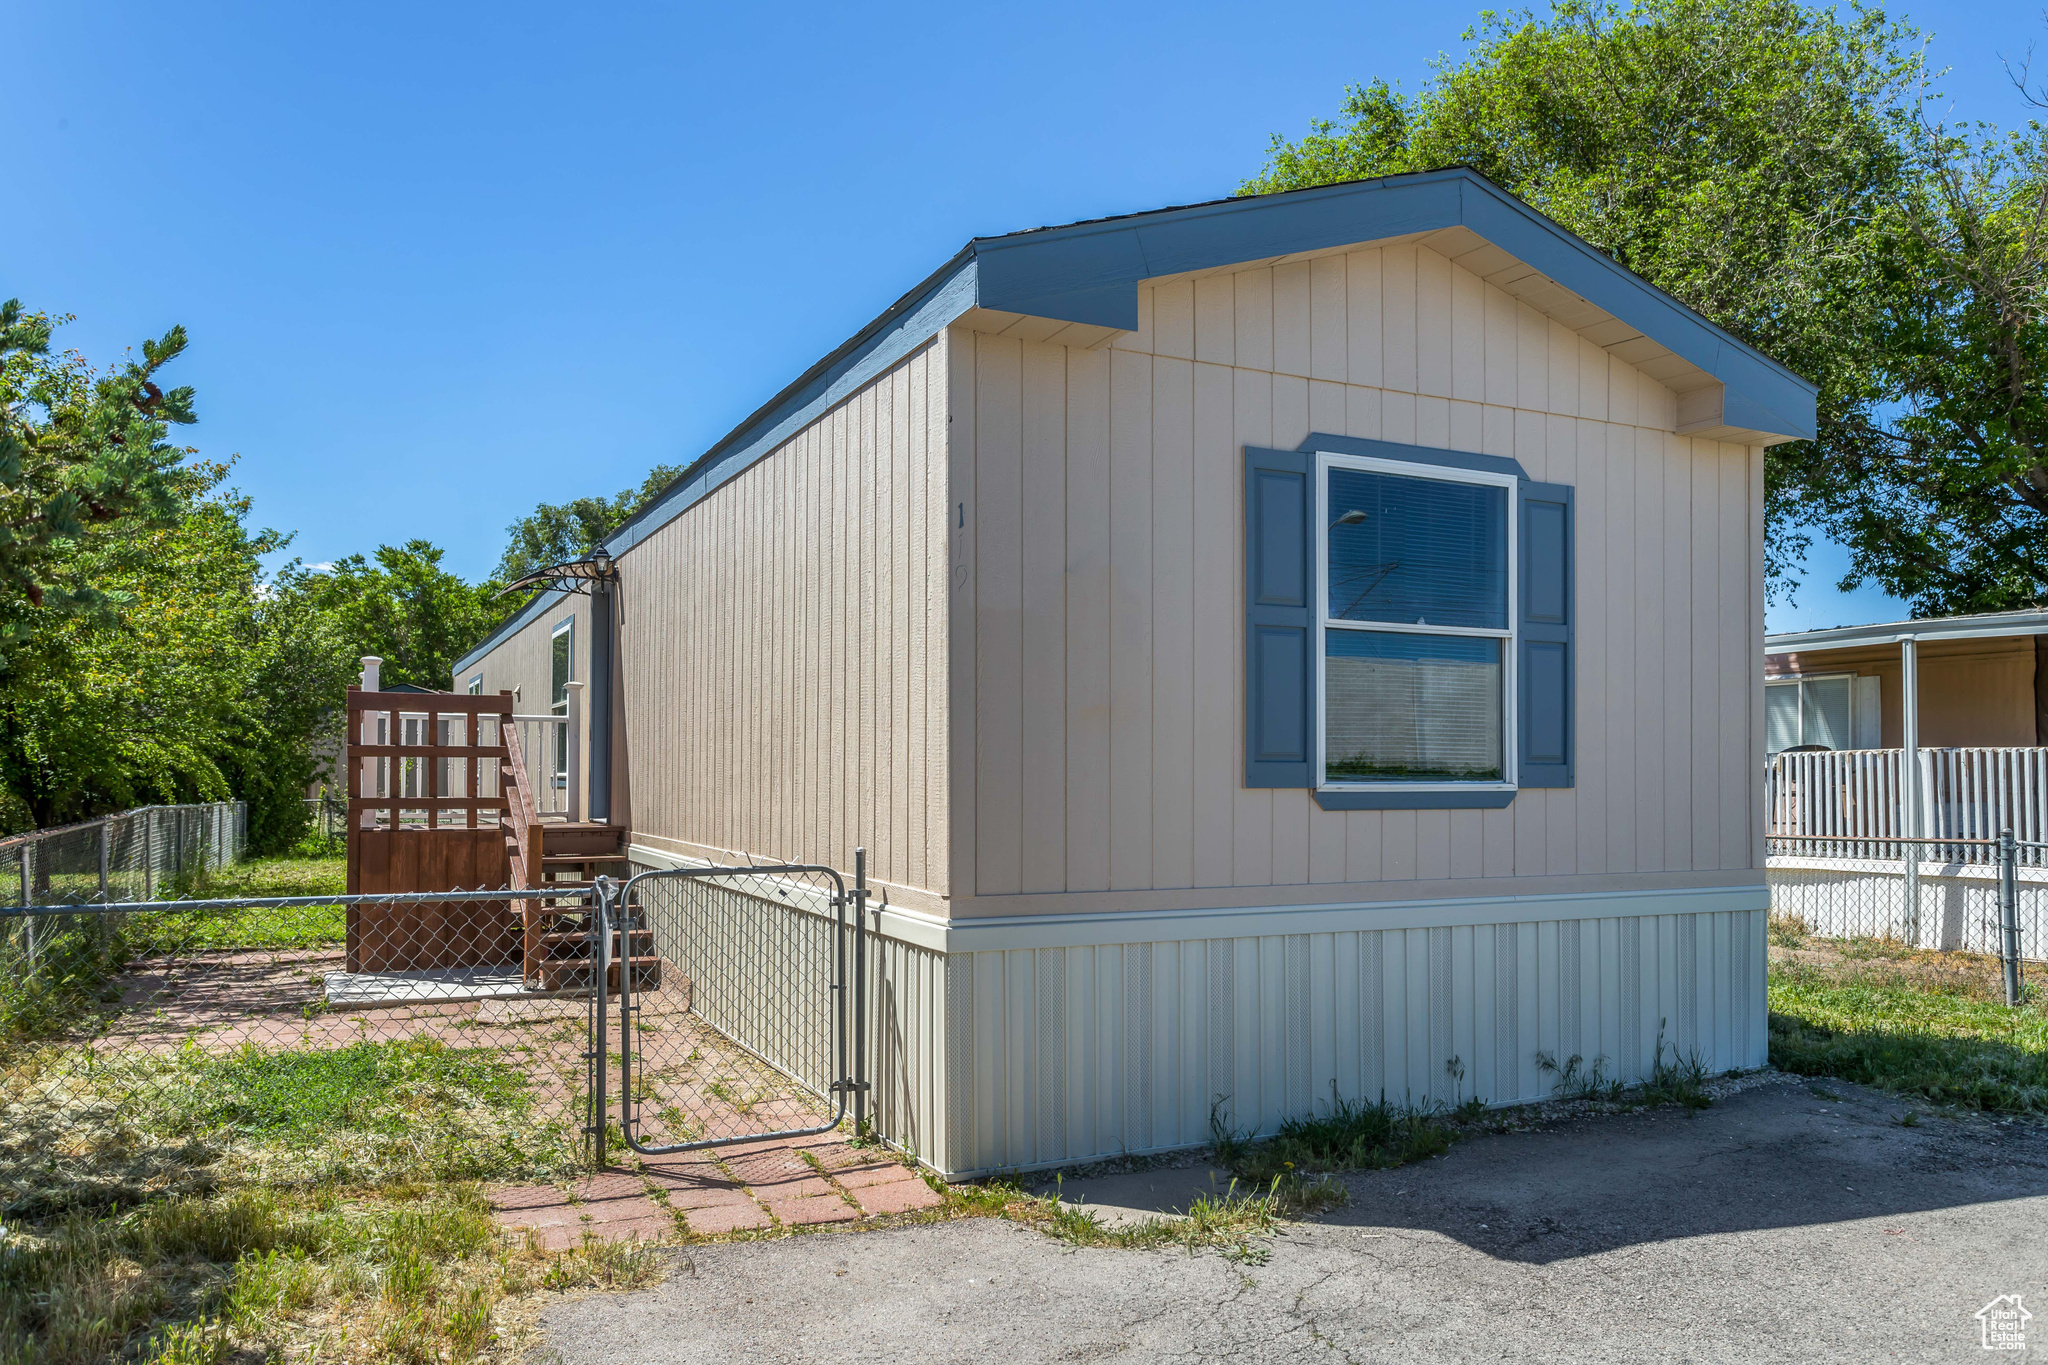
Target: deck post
599	803
572	744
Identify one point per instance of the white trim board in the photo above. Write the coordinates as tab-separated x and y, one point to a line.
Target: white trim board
1001	933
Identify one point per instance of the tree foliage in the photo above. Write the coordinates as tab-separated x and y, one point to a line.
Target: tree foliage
79	454
1941	492
1766	162
555	533
402	606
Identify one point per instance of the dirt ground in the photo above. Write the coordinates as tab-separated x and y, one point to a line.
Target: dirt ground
1790	1221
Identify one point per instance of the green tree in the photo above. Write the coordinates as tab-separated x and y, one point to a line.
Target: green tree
555	533
403	607
1941	493
1740	154
79	454
169	693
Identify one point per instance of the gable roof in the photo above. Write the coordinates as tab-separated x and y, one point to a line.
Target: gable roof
1086	275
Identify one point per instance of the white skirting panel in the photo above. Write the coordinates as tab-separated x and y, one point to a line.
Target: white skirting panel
1039	1041
1060	1054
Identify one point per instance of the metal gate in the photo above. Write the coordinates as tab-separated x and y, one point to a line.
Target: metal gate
677	1010
741	1009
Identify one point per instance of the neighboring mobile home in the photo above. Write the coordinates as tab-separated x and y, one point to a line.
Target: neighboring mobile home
1935	728
1286	646
1978	682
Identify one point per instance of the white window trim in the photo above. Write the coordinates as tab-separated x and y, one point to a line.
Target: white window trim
559	764
565	626
1325	462
476	686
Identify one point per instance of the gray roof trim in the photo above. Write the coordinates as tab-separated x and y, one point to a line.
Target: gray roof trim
1088	273
516	622
1988	626
908	324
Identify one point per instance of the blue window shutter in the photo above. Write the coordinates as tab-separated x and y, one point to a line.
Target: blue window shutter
1278	720
1546	636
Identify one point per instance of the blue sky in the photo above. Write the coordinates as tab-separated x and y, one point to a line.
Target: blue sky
441	262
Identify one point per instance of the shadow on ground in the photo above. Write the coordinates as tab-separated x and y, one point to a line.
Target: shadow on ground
1786	1154
1790	1221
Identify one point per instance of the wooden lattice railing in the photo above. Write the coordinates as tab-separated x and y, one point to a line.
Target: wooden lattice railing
396	784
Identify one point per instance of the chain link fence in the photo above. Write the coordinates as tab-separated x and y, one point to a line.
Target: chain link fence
327	818
138	855
1962	895
148	1047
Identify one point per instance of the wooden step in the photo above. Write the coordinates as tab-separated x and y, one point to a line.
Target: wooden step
583	838
579	859
575	973
573	942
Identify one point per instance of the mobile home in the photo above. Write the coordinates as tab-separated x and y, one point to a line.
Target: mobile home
1295	645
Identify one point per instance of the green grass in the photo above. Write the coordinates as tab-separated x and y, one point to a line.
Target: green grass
376	1087
188	1207
1868	1017
274	929
76	955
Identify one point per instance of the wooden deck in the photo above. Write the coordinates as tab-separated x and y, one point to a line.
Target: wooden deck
439	801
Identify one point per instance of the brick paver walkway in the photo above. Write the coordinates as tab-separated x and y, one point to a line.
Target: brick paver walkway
753	1185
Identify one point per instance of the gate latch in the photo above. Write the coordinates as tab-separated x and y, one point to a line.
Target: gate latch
843	1087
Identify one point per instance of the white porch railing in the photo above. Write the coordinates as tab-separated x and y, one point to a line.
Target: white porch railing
554	759
1859	794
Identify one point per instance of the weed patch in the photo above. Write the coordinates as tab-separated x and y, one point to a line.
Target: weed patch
1787	931
251	1273
1230	1221
1346	1135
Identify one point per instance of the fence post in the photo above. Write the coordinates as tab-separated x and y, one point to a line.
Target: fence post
860	991
2009	913
106	838
600	987
28	922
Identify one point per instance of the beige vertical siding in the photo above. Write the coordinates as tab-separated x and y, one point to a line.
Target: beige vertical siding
523	661
782	650
1098	598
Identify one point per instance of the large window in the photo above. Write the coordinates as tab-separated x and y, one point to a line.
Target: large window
1416	624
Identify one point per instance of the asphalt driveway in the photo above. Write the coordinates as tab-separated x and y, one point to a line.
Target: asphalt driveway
1776	1225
